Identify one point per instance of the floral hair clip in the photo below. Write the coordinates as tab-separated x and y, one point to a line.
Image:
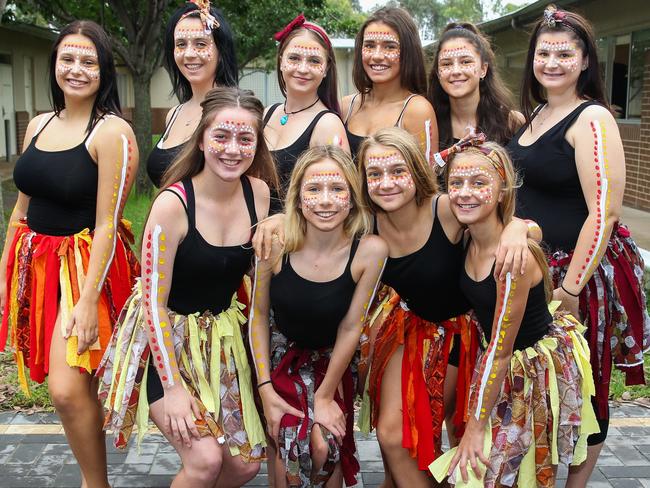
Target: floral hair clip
298	22
209	21
552	16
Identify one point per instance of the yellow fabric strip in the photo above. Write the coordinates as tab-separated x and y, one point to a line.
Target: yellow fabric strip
142	412
193	335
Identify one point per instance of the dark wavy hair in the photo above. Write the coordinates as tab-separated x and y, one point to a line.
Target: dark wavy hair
412	73
494	111
328	88
107	100
590	83
226	74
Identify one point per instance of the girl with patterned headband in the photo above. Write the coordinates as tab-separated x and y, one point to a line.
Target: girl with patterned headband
178	353
413	332
310	115
571	158
199	54
390	78
529	407
66	268
319	287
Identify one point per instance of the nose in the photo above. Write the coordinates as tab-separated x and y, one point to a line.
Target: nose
455	68
386	181
302	67
232	147
76	66
552	61
465	191
377	52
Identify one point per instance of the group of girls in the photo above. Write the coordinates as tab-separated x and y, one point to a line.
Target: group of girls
238	334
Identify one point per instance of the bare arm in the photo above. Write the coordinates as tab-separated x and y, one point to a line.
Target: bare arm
330	130
420	120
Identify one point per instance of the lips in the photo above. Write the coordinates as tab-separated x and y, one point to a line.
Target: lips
379	67
193	67
325	215
230	163
76	82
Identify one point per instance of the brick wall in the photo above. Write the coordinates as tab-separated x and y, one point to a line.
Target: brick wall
636	142
22	121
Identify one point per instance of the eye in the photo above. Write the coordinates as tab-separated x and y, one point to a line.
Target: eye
180	44
369	45
316	61
391	46
455	183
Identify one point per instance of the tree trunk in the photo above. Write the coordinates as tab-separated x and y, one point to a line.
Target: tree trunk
142	126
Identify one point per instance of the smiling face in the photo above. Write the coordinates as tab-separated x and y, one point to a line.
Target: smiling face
558	60
474	188
195	52
389	179
325	195
77	66
229	143
380	52
303	63
460	68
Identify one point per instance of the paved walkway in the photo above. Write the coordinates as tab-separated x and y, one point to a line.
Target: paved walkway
34	454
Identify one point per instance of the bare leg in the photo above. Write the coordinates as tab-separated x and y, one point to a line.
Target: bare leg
449	398
579	475
389	427
203	460
74	395
319	452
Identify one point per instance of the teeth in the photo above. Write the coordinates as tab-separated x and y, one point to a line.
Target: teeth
230	162
325	214
192	67
77	82
467	205
378	67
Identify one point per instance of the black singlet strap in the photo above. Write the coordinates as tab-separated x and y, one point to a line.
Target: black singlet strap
347	116
250	199
191	202
172	119
269	113
180	198
353	250
42	128
401	114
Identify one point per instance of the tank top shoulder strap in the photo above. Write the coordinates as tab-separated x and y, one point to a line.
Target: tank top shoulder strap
95	128
269	113
401	114
249	196
353	250
350	108
314	122
191	203
177	190
169	124
42	124
565	124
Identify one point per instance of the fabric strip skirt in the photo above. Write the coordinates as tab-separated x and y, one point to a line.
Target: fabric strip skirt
45	276
214	369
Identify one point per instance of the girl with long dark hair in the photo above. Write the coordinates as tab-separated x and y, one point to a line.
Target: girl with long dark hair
570	156
199	54
65	270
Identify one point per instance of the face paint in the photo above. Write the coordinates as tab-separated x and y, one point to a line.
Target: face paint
552	54
390	169
463	178
237	136
381	43
601	169
81	56
193	42
461	59
325	187
303	57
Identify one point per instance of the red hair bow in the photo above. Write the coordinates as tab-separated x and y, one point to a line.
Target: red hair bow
300	21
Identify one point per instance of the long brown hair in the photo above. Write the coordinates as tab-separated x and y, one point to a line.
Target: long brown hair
495	106
191	160
328	88
412	73
590	83
499	159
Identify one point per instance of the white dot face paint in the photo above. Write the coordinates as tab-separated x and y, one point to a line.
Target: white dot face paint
232	136
78	56
325	189
193	42
458	59
387	170
471	180
304	55
380	43
553	54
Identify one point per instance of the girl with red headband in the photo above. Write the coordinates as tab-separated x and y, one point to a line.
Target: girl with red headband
389	75
310	114
571	158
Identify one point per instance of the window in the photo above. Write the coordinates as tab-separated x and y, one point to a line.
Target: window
640	45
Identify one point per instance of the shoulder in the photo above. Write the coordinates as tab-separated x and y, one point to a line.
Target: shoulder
168	206
262	195
170	112
346	101
583	125
372	247
113	128
516	119
270	108
420	107
329	121
595	111
35	123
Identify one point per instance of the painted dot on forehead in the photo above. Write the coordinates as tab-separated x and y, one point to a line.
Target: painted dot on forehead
557	46
325	187
392	171
219	143
192	34
380	35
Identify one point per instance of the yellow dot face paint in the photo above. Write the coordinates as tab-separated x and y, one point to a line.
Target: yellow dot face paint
387	169
78	56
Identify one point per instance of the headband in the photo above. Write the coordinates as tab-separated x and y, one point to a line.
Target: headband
209	21
473	142
299	22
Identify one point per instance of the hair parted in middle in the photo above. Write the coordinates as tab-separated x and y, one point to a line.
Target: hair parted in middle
407	146
413	75
191	159
356	224
495	106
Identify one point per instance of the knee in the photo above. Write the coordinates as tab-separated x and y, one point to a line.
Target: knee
243	473
65	398
319	452
204	465
389	434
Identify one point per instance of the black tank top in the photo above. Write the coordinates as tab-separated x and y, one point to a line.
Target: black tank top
62	186
206	276
285	158
308	312
354	140
482	296
426	280
160	159
551	193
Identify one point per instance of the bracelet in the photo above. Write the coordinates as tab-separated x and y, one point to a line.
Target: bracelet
263	383
568	292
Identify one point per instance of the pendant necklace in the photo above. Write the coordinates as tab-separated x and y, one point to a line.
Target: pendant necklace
285	118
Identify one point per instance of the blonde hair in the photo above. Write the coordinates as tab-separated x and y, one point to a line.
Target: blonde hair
357	223
404	143
499	159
